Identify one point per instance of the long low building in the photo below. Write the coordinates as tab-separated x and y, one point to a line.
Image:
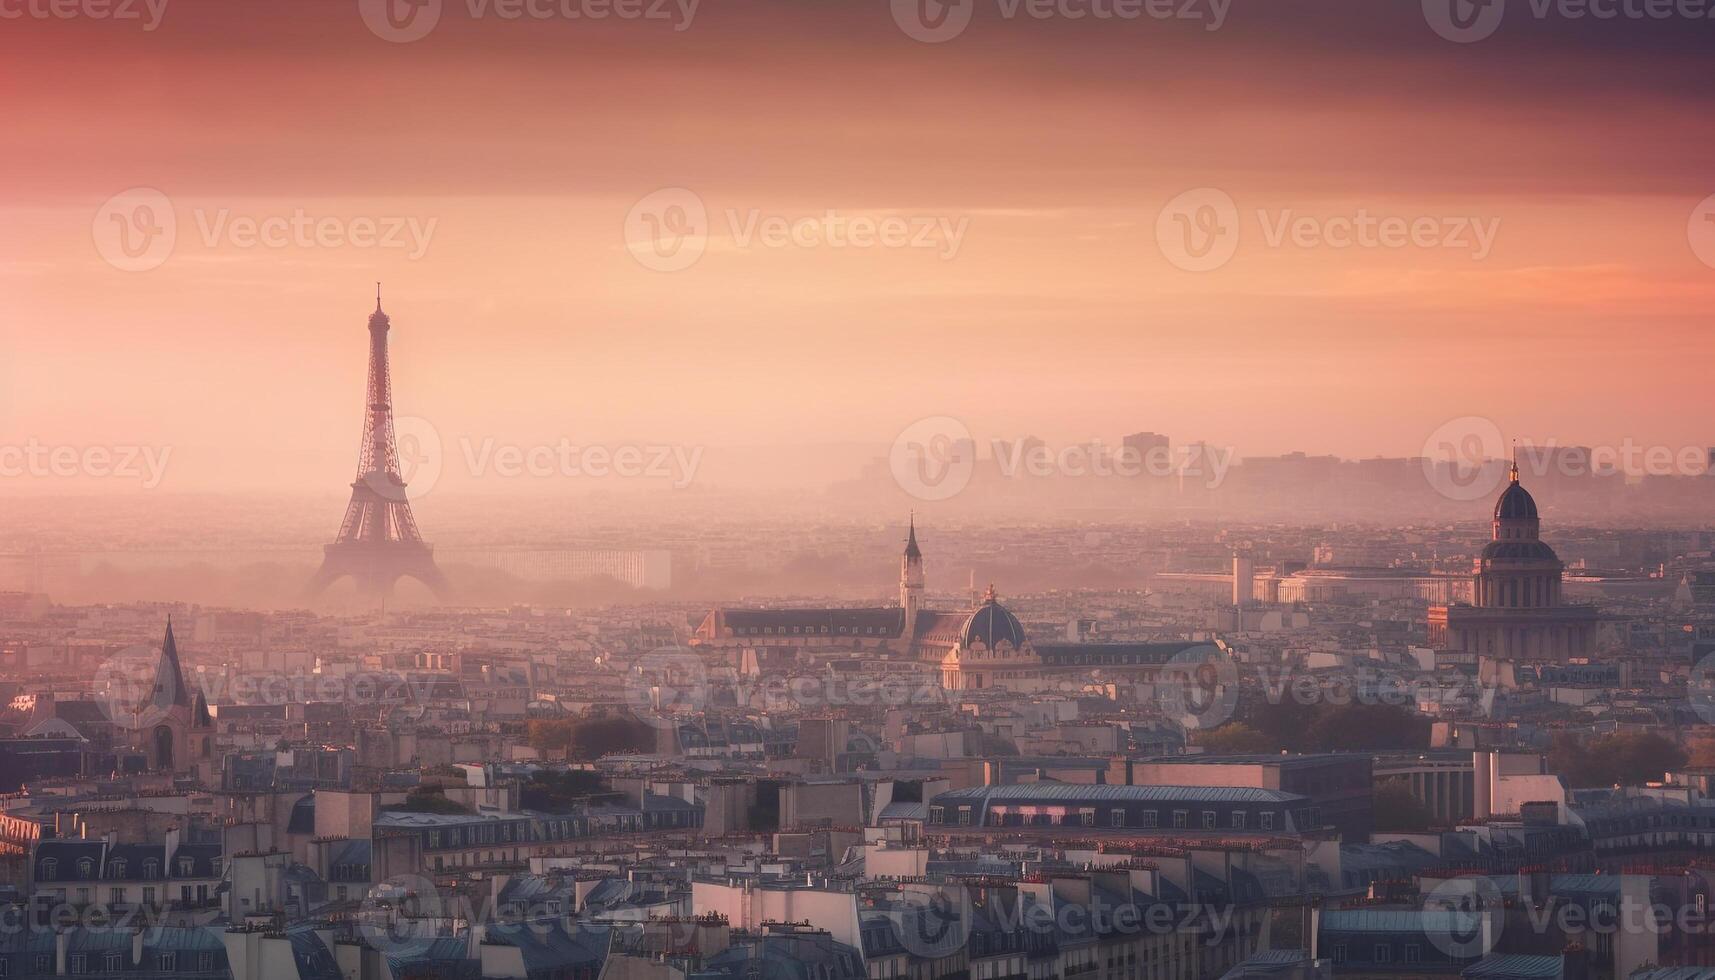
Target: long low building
1211	809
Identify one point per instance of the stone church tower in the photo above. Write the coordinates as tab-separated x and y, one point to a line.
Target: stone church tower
911	583
181	733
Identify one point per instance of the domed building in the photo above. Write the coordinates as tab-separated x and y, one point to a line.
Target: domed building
979	649
991	651
1516	610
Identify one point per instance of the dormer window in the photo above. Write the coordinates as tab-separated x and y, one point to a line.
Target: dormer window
151	869
50	868
186	865
85	867
117	867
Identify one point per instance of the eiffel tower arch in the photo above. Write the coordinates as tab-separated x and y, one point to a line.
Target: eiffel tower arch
378	542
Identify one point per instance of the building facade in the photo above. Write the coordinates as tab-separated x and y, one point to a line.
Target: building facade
1517	611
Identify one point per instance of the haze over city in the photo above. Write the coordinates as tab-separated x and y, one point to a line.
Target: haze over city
833	490
518	147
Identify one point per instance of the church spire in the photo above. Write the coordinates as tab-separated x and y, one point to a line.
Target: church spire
170	689
912	552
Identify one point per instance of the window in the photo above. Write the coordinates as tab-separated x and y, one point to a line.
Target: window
964	816
151	868
1267	821
1238	819
1148	819
112	962
205	962
50	868
167	962
85	867
116	868
1179	818
1208	820
79	963
148	895
1413	953
1339	952
186	865
1116	817
116	896
1384	953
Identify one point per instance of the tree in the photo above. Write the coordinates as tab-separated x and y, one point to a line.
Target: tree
549	737
429	799
556	792
1283	722
591	738
1234	737
1398	809
1358	726
1293	726
1626	759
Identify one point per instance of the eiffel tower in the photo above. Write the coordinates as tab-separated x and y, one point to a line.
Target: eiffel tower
378	542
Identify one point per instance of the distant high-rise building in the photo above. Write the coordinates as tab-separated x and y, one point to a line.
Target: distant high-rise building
1244	580
1141	449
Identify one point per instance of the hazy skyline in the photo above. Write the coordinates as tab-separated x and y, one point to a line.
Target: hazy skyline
517	149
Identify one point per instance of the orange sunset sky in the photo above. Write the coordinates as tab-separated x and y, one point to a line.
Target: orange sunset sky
1056	142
